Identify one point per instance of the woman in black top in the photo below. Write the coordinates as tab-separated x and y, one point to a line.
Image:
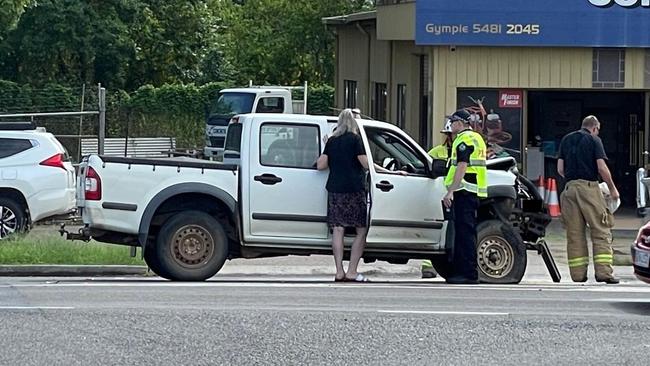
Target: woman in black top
346	158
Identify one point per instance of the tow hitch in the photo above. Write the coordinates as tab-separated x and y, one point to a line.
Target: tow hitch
542	248
83	234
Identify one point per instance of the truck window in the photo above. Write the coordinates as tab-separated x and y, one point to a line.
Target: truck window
233	137
289	146
227	105
386	147
270	105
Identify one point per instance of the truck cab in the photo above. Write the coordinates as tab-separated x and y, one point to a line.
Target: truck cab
234	101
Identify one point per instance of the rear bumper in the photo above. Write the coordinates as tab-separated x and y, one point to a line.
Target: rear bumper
51	202
642	273
98	217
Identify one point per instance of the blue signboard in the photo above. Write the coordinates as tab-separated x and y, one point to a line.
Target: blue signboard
563	23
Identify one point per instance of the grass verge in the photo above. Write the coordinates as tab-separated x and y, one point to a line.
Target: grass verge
45	247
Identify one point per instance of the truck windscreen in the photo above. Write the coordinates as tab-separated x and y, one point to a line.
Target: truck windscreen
229	104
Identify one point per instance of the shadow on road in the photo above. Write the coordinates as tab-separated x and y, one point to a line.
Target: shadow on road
636	308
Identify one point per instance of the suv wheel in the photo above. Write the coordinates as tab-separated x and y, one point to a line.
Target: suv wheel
12	218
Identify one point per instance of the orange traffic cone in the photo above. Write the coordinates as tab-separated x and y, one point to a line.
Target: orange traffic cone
541	188
553	202
548	190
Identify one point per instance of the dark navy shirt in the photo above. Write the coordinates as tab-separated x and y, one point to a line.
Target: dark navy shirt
346	173
580	152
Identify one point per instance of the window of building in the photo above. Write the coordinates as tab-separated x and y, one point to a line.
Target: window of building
289	146
401	105
608	68
379	102
9	147
350	91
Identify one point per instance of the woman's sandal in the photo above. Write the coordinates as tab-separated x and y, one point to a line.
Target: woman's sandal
342	279
358	278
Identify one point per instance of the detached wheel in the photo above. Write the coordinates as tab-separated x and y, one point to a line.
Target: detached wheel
191	246
12	218
501	253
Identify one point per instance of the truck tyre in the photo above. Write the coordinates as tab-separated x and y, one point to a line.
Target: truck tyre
151	258
501	253
191	246
12	218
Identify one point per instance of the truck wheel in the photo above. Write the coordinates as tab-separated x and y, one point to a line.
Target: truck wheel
151	258
501	253
191	246
12	218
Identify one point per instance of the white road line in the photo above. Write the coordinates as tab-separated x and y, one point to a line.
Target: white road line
424	286
435	312
36	308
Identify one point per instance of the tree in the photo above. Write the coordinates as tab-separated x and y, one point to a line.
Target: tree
120	43
283	41
10	12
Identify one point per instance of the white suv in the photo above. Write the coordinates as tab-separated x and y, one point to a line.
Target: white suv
37	179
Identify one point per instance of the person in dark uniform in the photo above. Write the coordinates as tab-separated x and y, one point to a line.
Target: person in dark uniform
466	183
582	161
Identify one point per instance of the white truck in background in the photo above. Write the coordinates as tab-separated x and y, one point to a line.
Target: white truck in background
258	99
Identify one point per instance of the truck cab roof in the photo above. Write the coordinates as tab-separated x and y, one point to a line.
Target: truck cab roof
255	90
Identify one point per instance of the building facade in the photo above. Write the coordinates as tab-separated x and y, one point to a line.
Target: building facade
535	68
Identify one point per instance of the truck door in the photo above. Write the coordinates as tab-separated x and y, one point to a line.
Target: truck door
287	200
405	211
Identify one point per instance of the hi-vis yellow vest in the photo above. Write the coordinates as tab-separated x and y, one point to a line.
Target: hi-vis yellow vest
439	152
476	163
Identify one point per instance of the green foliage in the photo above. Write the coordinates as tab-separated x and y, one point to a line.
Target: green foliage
125	44
10	12
283	41
45	246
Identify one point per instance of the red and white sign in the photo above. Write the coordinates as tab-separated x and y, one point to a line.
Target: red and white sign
511	98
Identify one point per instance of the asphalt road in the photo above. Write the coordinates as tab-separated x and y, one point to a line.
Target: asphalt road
238	321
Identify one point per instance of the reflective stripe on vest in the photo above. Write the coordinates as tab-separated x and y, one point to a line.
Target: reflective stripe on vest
476	165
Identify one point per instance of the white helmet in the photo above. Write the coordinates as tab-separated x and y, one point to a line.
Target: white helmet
447	128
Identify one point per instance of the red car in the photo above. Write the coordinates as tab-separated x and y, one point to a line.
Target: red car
641	254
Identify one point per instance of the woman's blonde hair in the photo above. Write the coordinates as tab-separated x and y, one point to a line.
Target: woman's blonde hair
347	123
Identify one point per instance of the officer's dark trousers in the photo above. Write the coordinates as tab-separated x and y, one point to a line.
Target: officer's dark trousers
465	262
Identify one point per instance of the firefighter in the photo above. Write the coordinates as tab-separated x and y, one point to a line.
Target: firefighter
581	161
466	183
440	152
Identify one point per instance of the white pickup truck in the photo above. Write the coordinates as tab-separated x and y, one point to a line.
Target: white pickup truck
189	216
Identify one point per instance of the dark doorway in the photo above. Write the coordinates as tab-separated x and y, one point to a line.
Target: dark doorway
423	98
553	114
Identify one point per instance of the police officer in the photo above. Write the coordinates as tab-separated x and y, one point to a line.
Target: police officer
581	161
466	183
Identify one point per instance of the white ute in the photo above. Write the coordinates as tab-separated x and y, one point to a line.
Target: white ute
190	215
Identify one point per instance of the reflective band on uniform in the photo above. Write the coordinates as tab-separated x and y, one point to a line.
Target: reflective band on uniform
604	259
473	162
579	262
